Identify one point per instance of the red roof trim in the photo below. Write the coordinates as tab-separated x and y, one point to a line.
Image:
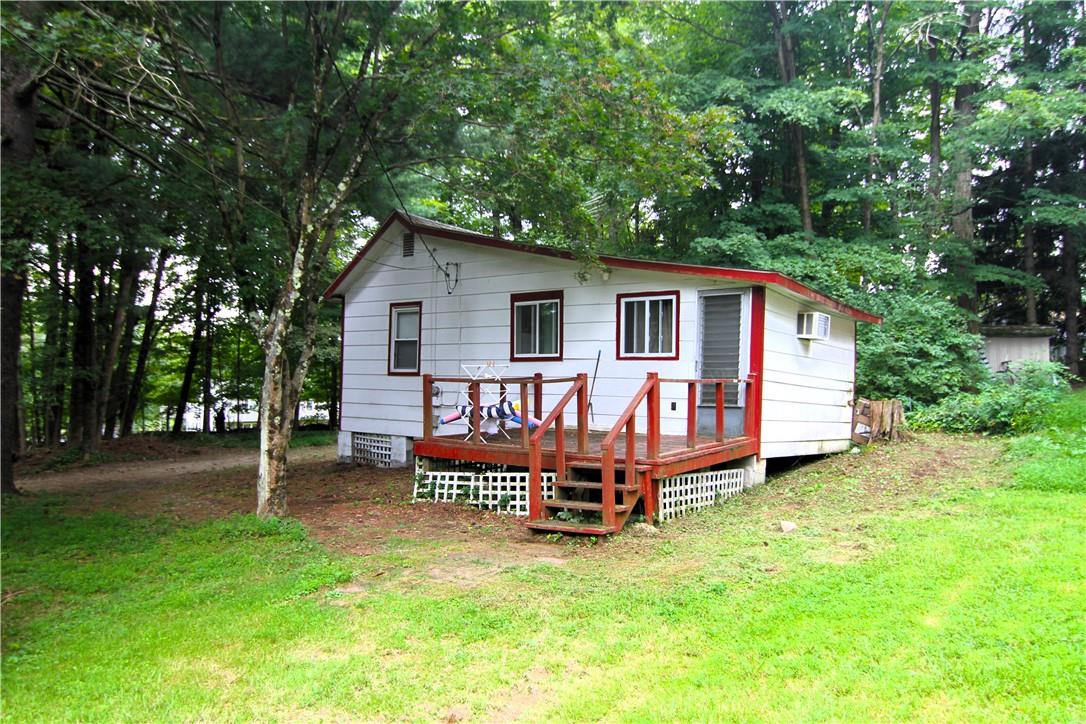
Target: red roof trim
713	272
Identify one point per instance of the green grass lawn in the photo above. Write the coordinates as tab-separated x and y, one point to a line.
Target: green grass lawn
937	580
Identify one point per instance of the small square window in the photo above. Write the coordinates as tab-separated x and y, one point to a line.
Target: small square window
536	326
648	325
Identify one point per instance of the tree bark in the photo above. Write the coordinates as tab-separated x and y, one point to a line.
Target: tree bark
83	422
18	118
1072	282
190	363
786	62
122	377
208	349
867	205
122	301
962	213
135	394
12	291
935	131
1029	255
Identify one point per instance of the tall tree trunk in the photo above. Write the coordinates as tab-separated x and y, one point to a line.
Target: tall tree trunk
1072	290
135	394
209	337
786	61
12	291
18	118
276	425
190	363
83	424
877	62
962	213
122	301
121	378
935	131
1029	255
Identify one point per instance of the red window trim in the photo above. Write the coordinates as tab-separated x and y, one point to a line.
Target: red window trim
556	295
619	300
418	352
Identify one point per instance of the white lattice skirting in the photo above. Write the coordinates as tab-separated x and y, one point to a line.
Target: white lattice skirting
693	491
500	491
371	449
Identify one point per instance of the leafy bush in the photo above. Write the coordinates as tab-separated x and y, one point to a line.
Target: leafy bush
921	353
1013	402
1054	458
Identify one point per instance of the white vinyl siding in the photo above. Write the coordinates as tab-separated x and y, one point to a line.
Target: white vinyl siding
807	384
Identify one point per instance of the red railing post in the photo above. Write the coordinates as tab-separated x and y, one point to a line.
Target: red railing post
654	417
537	395
719	411
524	414
476	419
691	414
535	481
560	446
427	406
749	406
607	461
631	449
582	413
648	496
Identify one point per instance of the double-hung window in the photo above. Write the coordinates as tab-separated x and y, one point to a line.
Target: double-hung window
648	325
404	338
536	326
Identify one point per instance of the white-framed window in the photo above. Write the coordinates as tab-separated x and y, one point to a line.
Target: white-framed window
404	338
535	326
648	325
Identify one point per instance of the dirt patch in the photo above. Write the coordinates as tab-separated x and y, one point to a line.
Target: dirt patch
368	511
354	509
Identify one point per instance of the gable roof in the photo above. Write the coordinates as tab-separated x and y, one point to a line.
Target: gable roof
428	227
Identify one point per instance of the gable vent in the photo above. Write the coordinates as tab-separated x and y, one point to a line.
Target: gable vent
408	243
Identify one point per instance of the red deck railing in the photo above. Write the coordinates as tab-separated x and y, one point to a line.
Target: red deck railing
627	422
578	389
626	426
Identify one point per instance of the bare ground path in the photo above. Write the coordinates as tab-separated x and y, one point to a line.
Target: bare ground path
121	475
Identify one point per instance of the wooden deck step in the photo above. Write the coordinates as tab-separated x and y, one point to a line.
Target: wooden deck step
583	485
565	526
580	505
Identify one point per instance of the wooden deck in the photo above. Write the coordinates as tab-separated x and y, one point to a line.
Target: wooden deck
630	463
675	456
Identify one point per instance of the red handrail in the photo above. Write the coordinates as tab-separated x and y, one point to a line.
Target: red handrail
556	417
627	421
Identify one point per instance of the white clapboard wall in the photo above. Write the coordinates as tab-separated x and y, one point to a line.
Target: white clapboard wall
808	384
471	326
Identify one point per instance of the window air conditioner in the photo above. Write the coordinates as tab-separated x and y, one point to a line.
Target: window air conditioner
813	325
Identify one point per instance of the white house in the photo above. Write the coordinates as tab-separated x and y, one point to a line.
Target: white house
425	300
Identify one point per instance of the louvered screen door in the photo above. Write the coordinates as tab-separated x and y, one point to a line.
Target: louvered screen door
720	335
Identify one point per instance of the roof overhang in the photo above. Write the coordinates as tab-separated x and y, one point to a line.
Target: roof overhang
1017	330
433	229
